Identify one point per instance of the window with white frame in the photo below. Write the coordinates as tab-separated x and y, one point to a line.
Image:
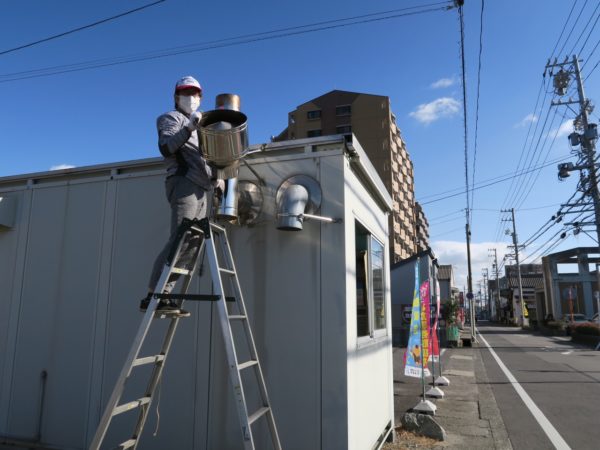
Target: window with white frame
370	283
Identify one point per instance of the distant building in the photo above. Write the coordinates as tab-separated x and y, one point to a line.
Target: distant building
370	119
532	279
446	280
570	279
402	283
422	228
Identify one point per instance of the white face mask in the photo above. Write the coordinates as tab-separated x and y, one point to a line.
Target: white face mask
188	103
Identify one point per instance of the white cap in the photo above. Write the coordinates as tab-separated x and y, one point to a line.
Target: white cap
186	83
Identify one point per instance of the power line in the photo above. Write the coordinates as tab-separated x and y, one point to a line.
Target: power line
220	43
528	153
590	55
84	27
583	31
464	92
564	27
553	221
542	88
477	102
492	183
446	232
453	219
458	211
519	201
572	28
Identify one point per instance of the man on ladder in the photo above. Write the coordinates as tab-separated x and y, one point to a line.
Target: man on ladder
188	182
189	191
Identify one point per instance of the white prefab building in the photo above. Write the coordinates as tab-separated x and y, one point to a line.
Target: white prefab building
77	248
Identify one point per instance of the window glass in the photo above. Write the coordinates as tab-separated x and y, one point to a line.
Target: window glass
313	133
362	281
343	129
345	110
370	283
313	114
377	259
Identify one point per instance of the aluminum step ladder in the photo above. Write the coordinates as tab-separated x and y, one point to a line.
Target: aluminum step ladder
214	243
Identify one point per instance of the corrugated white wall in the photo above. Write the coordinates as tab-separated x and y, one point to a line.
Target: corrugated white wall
77	262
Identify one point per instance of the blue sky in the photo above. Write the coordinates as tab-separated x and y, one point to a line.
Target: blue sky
108	114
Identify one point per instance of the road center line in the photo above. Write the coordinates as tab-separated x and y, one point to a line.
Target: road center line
556	439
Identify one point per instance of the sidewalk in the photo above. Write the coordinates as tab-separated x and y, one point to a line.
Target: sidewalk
468	412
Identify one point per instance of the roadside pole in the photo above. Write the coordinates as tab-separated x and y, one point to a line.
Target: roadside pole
440	380
424	406
516	247
435	391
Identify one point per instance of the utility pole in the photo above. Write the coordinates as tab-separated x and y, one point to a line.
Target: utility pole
516	247
470	279
497	272
588	131
486	290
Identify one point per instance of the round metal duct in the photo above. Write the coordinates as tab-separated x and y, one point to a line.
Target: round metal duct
224	136
296	196
250	202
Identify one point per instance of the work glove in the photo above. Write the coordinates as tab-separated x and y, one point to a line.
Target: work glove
194	121
219	185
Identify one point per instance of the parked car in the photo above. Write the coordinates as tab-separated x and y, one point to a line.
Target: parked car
573	319
594	318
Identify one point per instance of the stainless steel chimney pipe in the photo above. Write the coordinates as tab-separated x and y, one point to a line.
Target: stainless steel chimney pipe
230	104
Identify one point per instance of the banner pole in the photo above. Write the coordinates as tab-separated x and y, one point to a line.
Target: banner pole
435	391
441	380
424	406
422	313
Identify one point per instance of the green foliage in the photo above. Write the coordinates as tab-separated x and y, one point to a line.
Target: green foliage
451	312
591	329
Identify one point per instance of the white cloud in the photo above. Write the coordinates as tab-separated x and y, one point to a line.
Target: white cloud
443	83
441	107
529	118
455	253
62	166
565	129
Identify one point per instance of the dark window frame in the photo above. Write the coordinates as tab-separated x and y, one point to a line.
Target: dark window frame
343	129
343	110
315	114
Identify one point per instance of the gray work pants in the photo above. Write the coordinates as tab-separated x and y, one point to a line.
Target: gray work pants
188	201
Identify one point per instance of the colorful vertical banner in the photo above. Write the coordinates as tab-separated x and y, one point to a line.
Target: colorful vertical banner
434	347
426	318
414	355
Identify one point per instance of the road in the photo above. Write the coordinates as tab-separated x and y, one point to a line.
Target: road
560	397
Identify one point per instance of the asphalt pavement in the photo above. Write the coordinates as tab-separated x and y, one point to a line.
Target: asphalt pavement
553	397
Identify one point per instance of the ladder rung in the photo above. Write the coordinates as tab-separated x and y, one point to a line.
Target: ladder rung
258	414
247	364
237	317
230	272
180	271
127	444
195	297
197	229
148	360
130	405
220	228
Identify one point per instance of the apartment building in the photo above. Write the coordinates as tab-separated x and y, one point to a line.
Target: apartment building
370	118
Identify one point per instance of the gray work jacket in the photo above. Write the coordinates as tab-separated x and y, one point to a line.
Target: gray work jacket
181	149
